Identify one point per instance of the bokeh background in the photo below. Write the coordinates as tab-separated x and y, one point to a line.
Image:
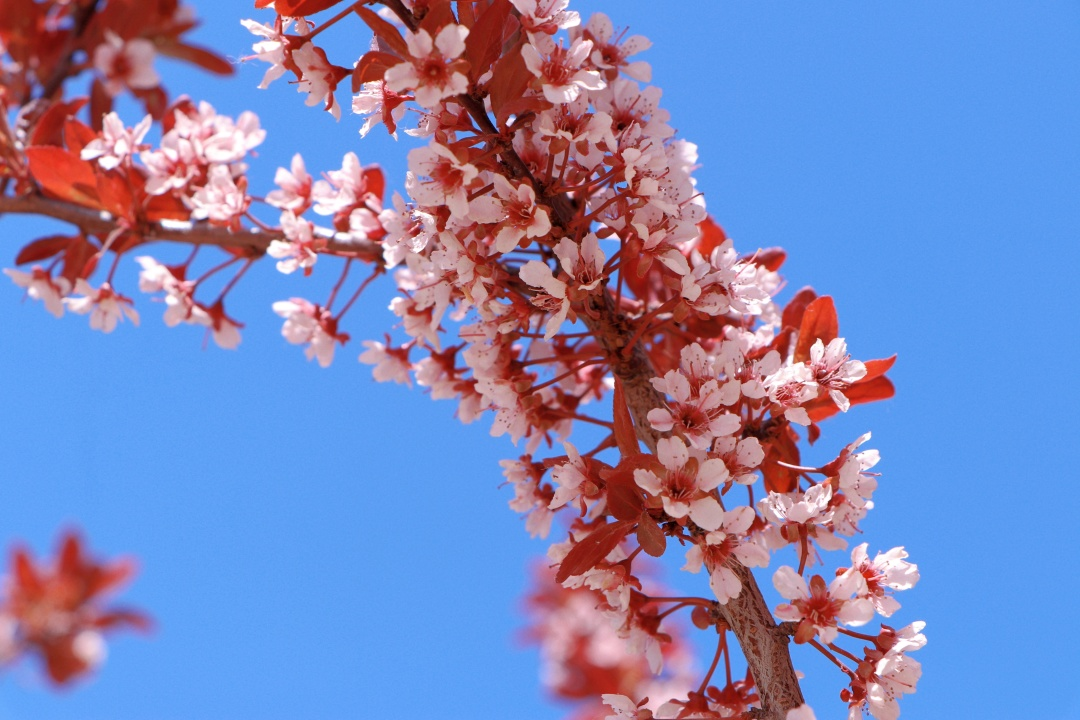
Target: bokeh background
317	545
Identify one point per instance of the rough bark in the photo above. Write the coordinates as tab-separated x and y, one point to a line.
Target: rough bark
763	643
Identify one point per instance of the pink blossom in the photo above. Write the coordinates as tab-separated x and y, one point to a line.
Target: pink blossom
105	307
610	54
625	708
569	477
299	249
390	363
724	283
125	64
728	541
307	323
433	71
116	143
270	50
546	16
514	212
319	78
887	571
448	178
529	498
802	712
560	70
41	285
380	104
834	370
818	609
686	484
294	187
220	201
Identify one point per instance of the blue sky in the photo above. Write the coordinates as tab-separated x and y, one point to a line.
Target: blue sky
314	544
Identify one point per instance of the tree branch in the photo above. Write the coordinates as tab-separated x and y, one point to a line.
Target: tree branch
197	233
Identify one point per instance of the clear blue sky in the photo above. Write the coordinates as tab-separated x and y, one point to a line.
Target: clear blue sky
316	545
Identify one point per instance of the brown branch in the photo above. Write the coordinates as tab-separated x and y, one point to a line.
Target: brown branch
199	233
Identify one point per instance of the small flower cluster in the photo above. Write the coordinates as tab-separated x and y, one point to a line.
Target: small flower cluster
56	614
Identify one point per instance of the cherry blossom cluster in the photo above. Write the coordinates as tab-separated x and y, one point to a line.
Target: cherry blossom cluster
555	268
55	611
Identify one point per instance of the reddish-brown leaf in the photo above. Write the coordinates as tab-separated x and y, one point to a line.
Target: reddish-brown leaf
818	323
650	536
796	307
101	104
63	176
877	368
165	207
115	195
77	135
439	14
206	59
49	129
592	549
712	236
43	248
298	8
371	67
508	82
79	259
485	40
130	618
384	31
625	499
26	575
864	391
782	448
769	258
625	436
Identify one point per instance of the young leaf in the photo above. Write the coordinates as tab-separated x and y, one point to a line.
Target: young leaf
818	323
384	31
650	536
63	176
592	549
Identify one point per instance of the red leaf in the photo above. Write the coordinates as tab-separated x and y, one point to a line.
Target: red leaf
101	104
818	323
509	80
712	236
650	536
877	368
165	207
781	448
298	8
796	307
77	135
384	31
25	573
43	248
625	499
484	43
864	391
624	426
63	176
116	196
371	67
769	258
50	126
206	59
79	259
592	549
132	618
438	16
